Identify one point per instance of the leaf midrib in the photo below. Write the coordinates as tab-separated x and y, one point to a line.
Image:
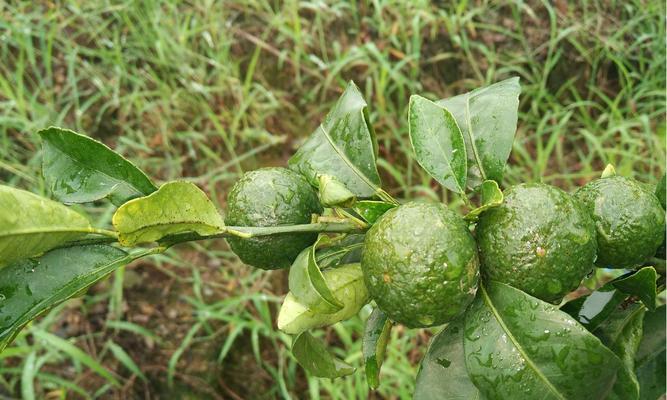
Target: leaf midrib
347	161
23	232
515	342
117	181
471	138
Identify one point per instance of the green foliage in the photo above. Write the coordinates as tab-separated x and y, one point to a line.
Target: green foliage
30	225
372	210
346	284
307	283
314	358
79	169
376	335
31	286
491	196
642	284
343	146
438	143
517	346
443	374
176	207
488	118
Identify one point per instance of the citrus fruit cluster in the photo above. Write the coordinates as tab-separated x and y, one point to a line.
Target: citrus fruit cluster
422	262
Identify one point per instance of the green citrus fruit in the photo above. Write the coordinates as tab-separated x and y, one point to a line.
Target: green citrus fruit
540	240
271	197
630	221
420	264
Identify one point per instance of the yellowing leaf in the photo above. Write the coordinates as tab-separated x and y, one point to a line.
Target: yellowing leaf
176	207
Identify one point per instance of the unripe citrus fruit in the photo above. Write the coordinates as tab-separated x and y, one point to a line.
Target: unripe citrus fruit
540	240
420	264
630	221
271	197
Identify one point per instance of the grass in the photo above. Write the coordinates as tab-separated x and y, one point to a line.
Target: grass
206	91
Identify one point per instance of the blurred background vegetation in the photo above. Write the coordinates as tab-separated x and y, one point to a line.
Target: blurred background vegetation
205	90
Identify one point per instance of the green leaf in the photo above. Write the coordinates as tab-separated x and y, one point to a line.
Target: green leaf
519	347
176	207
30	224
650	358
374	345
660	190
343	146
609	170
125	359
622	332
438	143
651	377
491	195
487	117
29	287
653	340
79	169
371	210
313	356
443	374
347	284
642	284
307	284
594	309
333	193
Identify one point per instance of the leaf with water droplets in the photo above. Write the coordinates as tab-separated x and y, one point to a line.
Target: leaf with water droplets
176	207
29	287
519	347
443	374
372	210
438	143
640	283
374	344
343	146
488	118
79	169
30	224
313	356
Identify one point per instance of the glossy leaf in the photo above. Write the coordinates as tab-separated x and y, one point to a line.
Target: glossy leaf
307	284
343	146
622	332
438	143
79	169
642	284
176	207
443	374
371	210
31	286
519	347
488	118
374	345
30	224
313	356
594	309
344	251
346	283
491	196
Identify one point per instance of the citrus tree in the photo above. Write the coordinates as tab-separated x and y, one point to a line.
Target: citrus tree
515	282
